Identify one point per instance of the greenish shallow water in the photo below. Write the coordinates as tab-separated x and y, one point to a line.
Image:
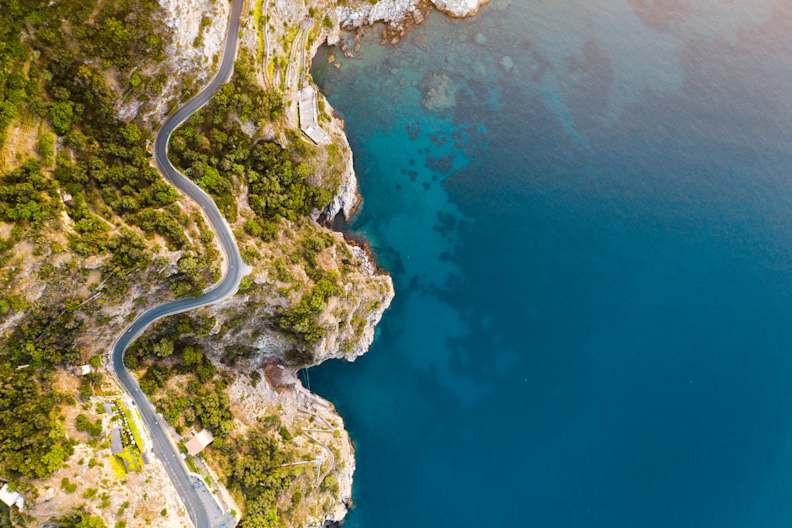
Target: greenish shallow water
590	235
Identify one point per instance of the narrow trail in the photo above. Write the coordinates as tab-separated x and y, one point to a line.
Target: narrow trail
197	501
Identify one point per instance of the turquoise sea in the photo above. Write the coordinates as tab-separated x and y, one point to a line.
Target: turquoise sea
586	207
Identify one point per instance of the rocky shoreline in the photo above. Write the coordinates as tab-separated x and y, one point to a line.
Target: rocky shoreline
348	24
398	16
396	12
368	290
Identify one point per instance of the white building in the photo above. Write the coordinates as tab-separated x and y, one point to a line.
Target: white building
309	116
11	498
198	442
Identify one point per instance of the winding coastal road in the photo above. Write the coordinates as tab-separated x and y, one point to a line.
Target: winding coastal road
163	448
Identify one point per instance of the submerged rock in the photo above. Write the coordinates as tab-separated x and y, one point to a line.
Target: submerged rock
440	93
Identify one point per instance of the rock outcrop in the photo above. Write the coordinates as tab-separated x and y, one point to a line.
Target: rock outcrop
395	12
198	28
459	8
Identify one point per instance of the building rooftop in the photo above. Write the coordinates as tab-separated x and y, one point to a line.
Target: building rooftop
116	445
11	498
198	442
309	116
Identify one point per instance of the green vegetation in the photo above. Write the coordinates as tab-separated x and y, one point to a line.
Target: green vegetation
16	88
301	319
81	519
132	427
171	348
26	196
67	485
266	231
5	516
263	470
84	424
205	21
206	405
130	459
65	67
68	62
32	439
90	493
260	21
119	469
46	148
213	150
246	283
121	32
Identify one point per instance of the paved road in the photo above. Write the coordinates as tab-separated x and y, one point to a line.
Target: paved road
163	448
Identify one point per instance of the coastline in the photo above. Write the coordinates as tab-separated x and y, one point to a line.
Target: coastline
396	22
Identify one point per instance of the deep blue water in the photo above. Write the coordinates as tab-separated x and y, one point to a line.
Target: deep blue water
591	243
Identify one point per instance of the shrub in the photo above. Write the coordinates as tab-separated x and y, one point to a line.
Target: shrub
84	424
301	319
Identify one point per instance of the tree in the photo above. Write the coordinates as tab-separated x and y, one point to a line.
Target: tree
262	469
61	115
260	514
82	519
131	134
128	249
302	318
212	409
22	195
46	147
191	356
5	516
155	377
84	424
163	348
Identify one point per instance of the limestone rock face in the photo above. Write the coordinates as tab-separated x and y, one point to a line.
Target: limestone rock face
458	8
388	11
319	433
348	319
198	31
396	11
346	198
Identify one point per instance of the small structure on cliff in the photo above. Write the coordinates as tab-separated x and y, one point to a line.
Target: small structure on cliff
11	498
309	116
198	442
